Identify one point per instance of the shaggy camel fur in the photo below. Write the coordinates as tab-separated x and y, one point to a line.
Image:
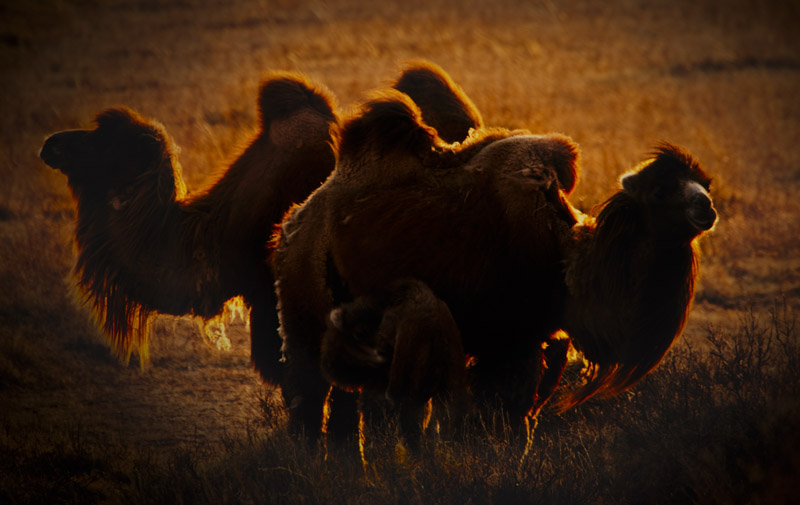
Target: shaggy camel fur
145	247
401	343
486	225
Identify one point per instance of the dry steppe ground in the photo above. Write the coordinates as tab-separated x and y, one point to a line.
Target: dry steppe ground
721	79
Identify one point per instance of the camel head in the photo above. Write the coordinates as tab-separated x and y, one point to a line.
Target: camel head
124	155
359	318
673	193
125	179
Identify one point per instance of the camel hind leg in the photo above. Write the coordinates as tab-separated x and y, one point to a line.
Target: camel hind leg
508	386
265	342
428	362
555	360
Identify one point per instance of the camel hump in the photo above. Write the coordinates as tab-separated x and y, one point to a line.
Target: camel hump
443	103
282	94
390	121
295	111
540	161
562	154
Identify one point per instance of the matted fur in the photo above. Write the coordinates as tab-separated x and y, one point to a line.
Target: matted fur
144	247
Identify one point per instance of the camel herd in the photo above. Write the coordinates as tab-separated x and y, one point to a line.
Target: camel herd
381	252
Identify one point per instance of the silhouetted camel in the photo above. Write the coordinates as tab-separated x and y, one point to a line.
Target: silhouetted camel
146	247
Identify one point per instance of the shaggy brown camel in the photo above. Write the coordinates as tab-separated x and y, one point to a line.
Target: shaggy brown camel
631	271
486	225
408	205
145	247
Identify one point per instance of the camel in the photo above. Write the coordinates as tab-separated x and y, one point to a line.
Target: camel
145	247
401	343
431	203
631	271
486	225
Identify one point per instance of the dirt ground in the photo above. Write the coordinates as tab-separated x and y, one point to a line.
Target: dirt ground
190	394
719	78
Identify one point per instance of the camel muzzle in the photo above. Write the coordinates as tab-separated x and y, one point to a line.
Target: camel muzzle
60	148
702	213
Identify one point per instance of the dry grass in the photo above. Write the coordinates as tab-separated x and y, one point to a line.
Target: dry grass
713	423
711	428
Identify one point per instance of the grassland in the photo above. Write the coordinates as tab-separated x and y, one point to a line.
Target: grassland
716	423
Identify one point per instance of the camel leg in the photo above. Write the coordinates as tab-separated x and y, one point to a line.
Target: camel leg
343	419
376	418
411	416
304	392
265	342
506	385
375	408
555	360
451	407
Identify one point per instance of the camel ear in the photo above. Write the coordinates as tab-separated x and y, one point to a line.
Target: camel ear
443	103
337	318
389	121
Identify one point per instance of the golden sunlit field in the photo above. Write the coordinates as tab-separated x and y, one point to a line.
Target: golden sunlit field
717	422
